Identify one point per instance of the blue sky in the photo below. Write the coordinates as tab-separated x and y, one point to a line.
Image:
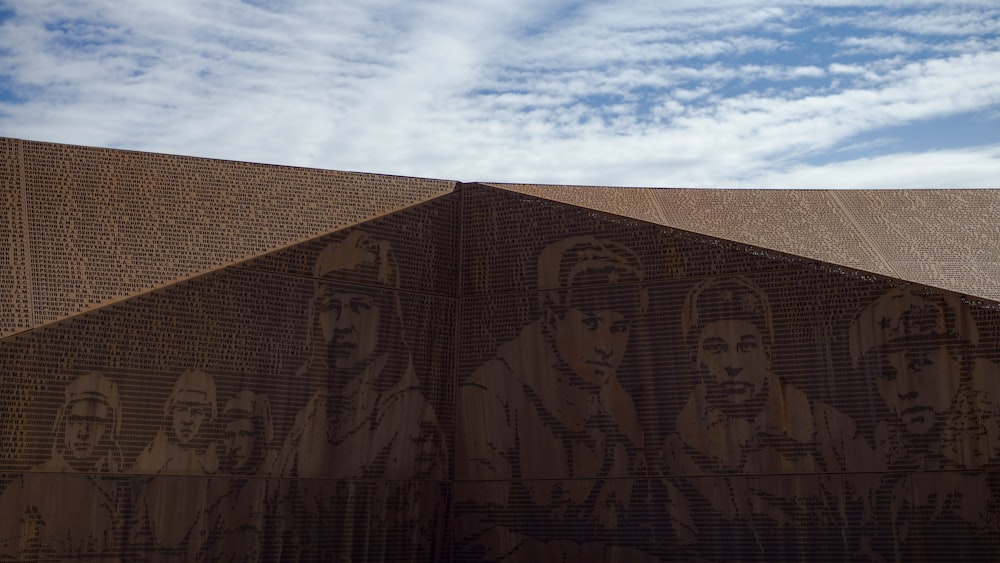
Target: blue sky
800	94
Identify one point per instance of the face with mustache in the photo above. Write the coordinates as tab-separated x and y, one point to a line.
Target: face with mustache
919	384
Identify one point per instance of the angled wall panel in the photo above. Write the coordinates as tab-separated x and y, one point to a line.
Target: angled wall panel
105	224
636	203
942	238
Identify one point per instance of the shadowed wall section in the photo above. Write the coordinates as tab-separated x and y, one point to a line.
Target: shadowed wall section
636	393
295	407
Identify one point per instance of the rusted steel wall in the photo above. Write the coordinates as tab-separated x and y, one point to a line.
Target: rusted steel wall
81	227
490	376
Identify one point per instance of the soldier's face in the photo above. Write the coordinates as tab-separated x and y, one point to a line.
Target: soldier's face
350	325
592	343
919	384
86	424
240	440
732	360
189	413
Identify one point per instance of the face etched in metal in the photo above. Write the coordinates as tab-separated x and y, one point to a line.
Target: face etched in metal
732	360
87	423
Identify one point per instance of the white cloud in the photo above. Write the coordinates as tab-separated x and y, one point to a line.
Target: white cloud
975	167
943	20
879	44
621	92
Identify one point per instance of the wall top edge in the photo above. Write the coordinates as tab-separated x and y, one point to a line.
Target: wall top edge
29	143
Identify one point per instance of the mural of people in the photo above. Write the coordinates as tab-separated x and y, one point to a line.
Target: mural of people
170	507
546	428
943	413
740	426
369	421
65	508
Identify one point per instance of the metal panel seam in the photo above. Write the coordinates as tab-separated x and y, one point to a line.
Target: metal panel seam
864	236
655	205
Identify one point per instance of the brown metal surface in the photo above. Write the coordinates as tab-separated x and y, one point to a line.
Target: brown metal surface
943	238
99	225
491	376
15	287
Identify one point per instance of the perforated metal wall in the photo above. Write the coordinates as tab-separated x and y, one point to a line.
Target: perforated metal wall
633	393
294	407
91	226
491	376
944	238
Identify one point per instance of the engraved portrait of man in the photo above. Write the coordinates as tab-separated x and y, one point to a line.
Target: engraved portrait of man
172	499
546	427
368	421
743	428
65	508
183	443
247	435
240	517
941	430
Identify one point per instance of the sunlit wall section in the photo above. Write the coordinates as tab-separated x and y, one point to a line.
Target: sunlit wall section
91	226
15	290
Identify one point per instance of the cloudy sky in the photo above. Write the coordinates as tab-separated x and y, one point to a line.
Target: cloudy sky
737	93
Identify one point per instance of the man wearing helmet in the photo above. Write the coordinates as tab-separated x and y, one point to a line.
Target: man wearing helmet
170	508
183	443
919	348
90	421
35	522
742	420
248	435
942	419
369	419
548	420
